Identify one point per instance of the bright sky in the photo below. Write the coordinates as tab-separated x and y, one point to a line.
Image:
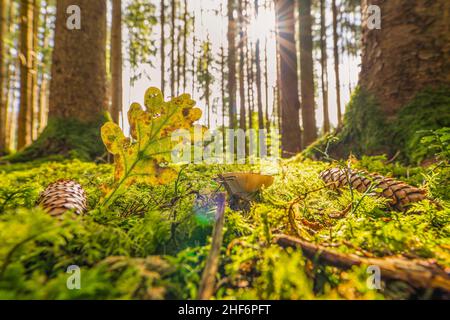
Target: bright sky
207	22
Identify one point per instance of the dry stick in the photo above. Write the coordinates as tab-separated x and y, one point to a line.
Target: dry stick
209	273
418	273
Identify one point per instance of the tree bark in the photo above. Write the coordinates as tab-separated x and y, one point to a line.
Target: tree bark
163	47
336	62
410	53
43	88
185	36
194	43
307	74
3	78
34	86
78	84
116	61
26	74
291	140
242	36
324	67
231	35
266	85
222	85
173	49
258	75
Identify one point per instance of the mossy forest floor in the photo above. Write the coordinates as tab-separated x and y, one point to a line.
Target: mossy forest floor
154	240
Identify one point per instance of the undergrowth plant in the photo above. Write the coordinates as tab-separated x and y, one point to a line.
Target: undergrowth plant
146	155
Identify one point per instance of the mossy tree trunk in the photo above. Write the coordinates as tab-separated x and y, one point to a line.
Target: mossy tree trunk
78	85
404	85
409	53
291	140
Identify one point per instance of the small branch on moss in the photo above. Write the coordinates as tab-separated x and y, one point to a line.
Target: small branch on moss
207	283
418	273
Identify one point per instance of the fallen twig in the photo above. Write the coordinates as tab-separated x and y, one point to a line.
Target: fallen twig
418	273
206	289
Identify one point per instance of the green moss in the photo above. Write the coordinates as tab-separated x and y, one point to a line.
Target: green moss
367	131
112	246
430	110
64	138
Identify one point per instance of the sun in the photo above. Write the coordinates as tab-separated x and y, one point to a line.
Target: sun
260	27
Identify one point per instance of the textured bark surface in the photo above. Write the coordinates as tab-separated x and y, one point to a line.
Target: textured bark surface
3	106
307	74
410	52
163	46
336	61
258	75
172	48
242	35
288	80
324	66
78	84
34	110
116	60
231	36
26	74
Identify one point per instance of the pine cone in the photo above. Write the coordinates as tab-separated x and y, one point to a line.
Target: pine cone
61	196
400	193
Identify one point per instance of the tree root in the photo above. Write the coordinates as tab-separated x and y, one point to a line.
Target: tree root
417	273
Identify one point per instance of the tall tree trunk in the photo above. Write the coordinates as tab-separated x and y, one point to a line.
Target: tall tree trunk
78	98
3	78
222	84
290	105
43	87
173	49
266	85
178	62
12	73
324	66
116	60
307	74
34	86
249	83
403	58
26	73
163	47
258	75
404	80
231	35
242	113
185	36
78	84
194	44
276	89
336	61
